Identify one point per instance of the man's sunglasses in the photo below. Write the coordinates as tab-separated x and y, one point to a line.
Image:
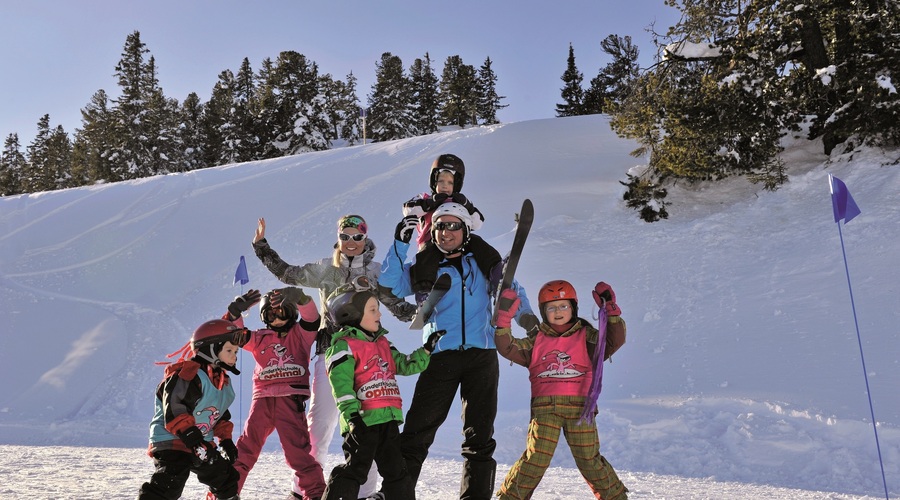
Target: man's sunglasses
448	226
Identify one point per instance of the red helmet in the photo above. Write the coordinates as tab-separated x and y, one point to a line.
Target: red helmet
557	290
209	338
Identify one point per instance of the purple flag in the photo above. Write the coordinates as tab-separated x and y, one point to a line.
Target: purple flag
841	201
240	275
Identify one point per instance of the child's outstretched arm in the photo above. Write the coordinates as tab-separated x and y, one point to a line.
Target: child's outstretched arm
412	363
605	297
516	350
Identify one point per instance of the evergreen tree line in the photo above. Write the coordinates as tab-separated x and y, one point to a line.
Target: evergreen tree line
736	78
285	108
826	69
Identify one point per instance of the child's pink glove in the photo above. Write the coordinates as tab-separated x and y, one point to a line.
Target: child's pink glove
508	305
604	292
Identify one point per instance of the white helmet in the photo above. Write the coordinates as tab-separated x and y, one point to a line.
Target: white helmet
456	210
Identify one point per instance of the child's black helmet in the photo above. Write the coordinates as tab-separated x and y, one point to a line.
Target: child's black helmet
451	163
348	308
268	312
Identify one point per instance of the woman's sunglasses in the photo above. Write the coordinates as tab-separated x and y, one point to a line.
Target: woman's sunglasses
354	237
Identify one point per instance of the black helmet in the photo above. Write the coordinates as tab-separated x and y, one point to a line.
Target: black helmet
451	163
348	308
268	311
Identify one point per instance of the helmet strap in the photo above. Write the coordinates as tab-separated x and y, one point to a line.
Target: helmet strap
209	358
226	366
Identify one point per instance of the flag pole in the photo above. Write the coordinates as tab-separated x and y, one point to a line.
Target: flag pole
241	276
841	200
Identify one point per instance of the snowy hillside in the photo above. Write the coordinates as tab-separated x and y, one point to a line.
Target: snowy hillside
742	362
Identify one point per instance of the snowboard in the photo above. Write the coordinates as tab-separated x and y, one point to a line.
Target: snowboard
524	220
440	288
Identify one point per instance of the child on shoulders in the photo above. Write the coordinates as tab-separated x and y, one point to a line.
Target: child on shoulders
446	180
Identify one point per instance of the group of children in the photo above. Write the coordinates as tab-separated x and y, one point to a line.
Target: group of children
564	356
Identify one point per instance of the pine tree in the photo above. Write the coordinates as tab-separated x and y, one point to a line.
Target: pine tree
341	106
614	79
723	97
572	93
425	96
459	97
350	126
191	136
93	142
12	165
266	110
59	158
35	177
134	139
300	121
160	126
218	122
245	140
48	160
391	113
488	99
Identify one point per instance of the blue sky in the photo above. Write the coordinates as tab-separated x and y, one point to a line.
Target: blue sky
57	53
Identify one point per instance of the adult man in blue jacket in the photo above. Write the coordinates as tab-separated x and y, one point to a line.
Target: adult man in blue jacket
465	358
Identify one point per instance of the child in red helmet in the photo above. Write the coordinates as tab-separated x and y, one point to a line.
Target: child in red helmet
562	360
280	384
191	410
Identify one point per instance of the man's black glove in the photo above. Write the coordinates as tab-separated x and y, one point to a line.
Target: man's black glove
422	204
437	199
405	228
433	339
356	423
243	303
231	453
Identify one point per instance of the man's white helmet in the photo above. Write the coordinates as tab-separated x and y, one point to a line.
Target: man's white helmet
456	210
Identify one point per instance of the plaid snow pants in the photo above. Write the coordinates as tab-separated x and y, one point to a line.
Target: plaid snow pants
547	420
